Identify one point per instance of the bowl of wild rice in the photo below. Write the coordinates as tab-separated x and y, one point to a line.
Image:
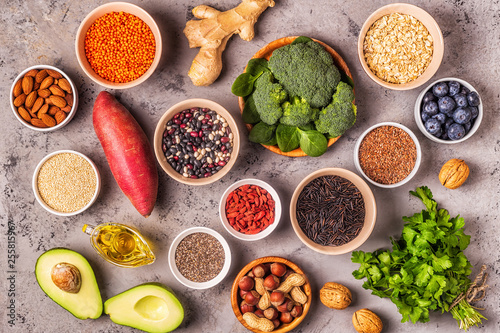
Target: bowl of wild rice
66	182
400	46
333	211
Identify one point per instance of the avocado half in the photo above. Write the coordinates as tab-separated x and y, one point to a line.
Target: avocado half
150	307
84	304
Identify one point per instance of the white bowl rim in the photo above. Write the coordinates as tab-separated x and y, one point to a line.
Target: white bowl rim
199	285
160	128
70	115
417	161
158	51
35	183
369	199
277	209
420	123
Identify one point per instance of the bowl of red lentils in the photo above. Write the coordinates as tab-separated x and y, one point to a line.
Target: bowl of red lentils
387	154
118	45
66	182
250	209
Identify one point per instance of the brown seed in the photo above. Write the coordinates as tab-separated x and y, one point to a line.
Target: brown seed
64	84
67	109
20	100
38	123
48	101
69	99
44	93
43	109
27	84
18	89
58	101
48	120
47	82
54	74
30	99
53	110
31	72
24	113
36	86
38	104
60	116
56	90
41	75
32	114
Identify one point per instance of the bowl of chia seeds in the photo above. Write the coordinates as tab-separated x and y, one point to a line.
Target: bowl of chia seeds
199	258
196	141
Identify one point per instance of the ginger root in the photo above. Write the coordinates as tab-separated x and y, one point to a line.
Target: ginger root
212	32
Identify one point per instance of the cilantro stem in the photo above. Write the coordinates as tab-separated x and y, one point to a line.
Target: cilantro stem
466	315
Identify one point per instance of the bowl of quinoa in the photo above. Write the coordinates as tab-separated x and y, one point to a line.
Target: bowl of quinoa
66	182
118	45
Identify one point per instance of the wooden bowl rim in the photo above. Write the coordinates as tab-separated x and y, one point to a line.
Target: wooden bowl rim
266	52
306	288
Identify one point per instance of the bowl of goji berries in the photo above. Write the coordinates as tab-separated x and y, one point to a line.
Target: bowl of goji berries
118	45
250	209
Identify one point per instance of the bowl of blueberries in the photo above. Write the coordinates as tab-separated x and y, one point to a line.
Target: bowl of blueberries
449	111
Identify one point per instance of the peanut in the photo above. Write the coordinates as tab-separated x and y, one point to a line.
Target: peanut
265	301
262	324
293	280
259	286
298	295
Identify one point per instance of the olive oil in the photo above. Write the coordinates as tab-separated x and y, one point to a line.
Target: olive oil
120	244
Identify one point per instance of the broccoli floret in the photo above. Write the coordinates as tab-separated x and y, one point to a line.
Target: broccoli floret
340	114
297	112
268	97
306	70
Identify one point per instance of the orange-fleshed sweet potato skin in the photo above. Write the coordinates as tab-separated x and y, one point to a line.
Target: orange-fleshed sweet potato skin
128	152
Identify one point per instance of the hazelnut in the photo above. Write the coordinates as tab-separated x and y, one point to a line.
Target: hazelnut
66	277
277	298
335	296
286	317
259	271
245	307
276	323
271	282
246	283
259	313
278	269
365	321
286	306
271	313
243	293
252	297
296	311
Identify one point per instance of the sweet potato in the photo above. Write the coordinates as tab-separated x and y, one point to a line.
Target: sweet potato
128	152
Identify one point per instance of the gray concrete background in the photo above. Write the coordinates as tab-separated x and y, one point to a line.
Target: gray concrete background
43	32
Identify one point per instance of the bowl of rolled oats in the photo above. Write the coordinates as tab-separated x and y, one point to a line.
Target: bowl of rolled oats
400	46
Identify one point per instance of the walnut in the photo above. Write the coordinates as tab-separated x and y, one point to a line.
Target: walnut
335	296
453	173
365	321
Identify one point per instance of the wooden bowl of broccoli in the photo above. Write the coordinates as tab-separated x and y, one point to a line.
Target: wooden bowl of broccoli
296	113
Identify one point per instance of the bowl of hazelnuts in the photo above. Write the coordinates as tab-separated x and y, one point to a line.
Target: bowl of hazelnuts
271	294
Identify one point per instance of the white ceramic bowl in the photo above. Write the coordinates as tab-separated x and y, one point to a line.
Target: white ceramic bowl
199	285
417	162
277	210
420	123
101	11
69	116
50	209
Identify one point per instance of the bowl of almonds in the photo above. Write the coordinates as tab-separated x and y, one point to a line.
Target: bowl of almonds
43	98
400	46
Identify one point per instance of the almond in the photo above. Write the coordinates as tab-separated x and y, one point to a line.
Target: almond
47	82
44	93
48	101
37	122
58	101
64	84
60	116
53	110
31	72
69	99
67	108
18	89
27	84
41	75
43	109
32	114
54	74
30	99
36	86
48	120
38	104
19	100
56	90
24	113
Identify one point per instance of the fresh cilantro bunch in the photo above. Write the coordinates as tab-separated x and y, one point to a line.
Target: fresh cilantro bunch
426	269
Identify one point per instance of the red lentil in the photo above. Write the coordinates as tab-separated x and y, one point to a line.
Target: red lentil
387	154
250	209
120	47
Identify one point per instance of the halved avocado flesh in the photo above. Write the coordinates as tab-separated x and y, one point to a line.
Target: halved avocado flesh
150	307
84	304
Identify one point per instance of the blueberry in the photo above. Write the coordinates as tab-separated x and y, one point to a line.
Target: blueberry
439	133
431	108
456	131
428	96
474	112
444	136
461	99
425	116
454	88
448	123
467	126
440	89
473	98
446	105
432	126
464	90
462	115
441	117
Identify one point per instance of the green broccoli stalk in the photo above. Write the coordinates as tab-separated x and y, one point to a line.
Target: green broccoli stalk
297	112
340	114
268	97
306	70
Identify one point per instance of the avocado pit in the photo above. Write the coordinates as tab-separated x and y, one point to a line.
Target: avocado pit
66	277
